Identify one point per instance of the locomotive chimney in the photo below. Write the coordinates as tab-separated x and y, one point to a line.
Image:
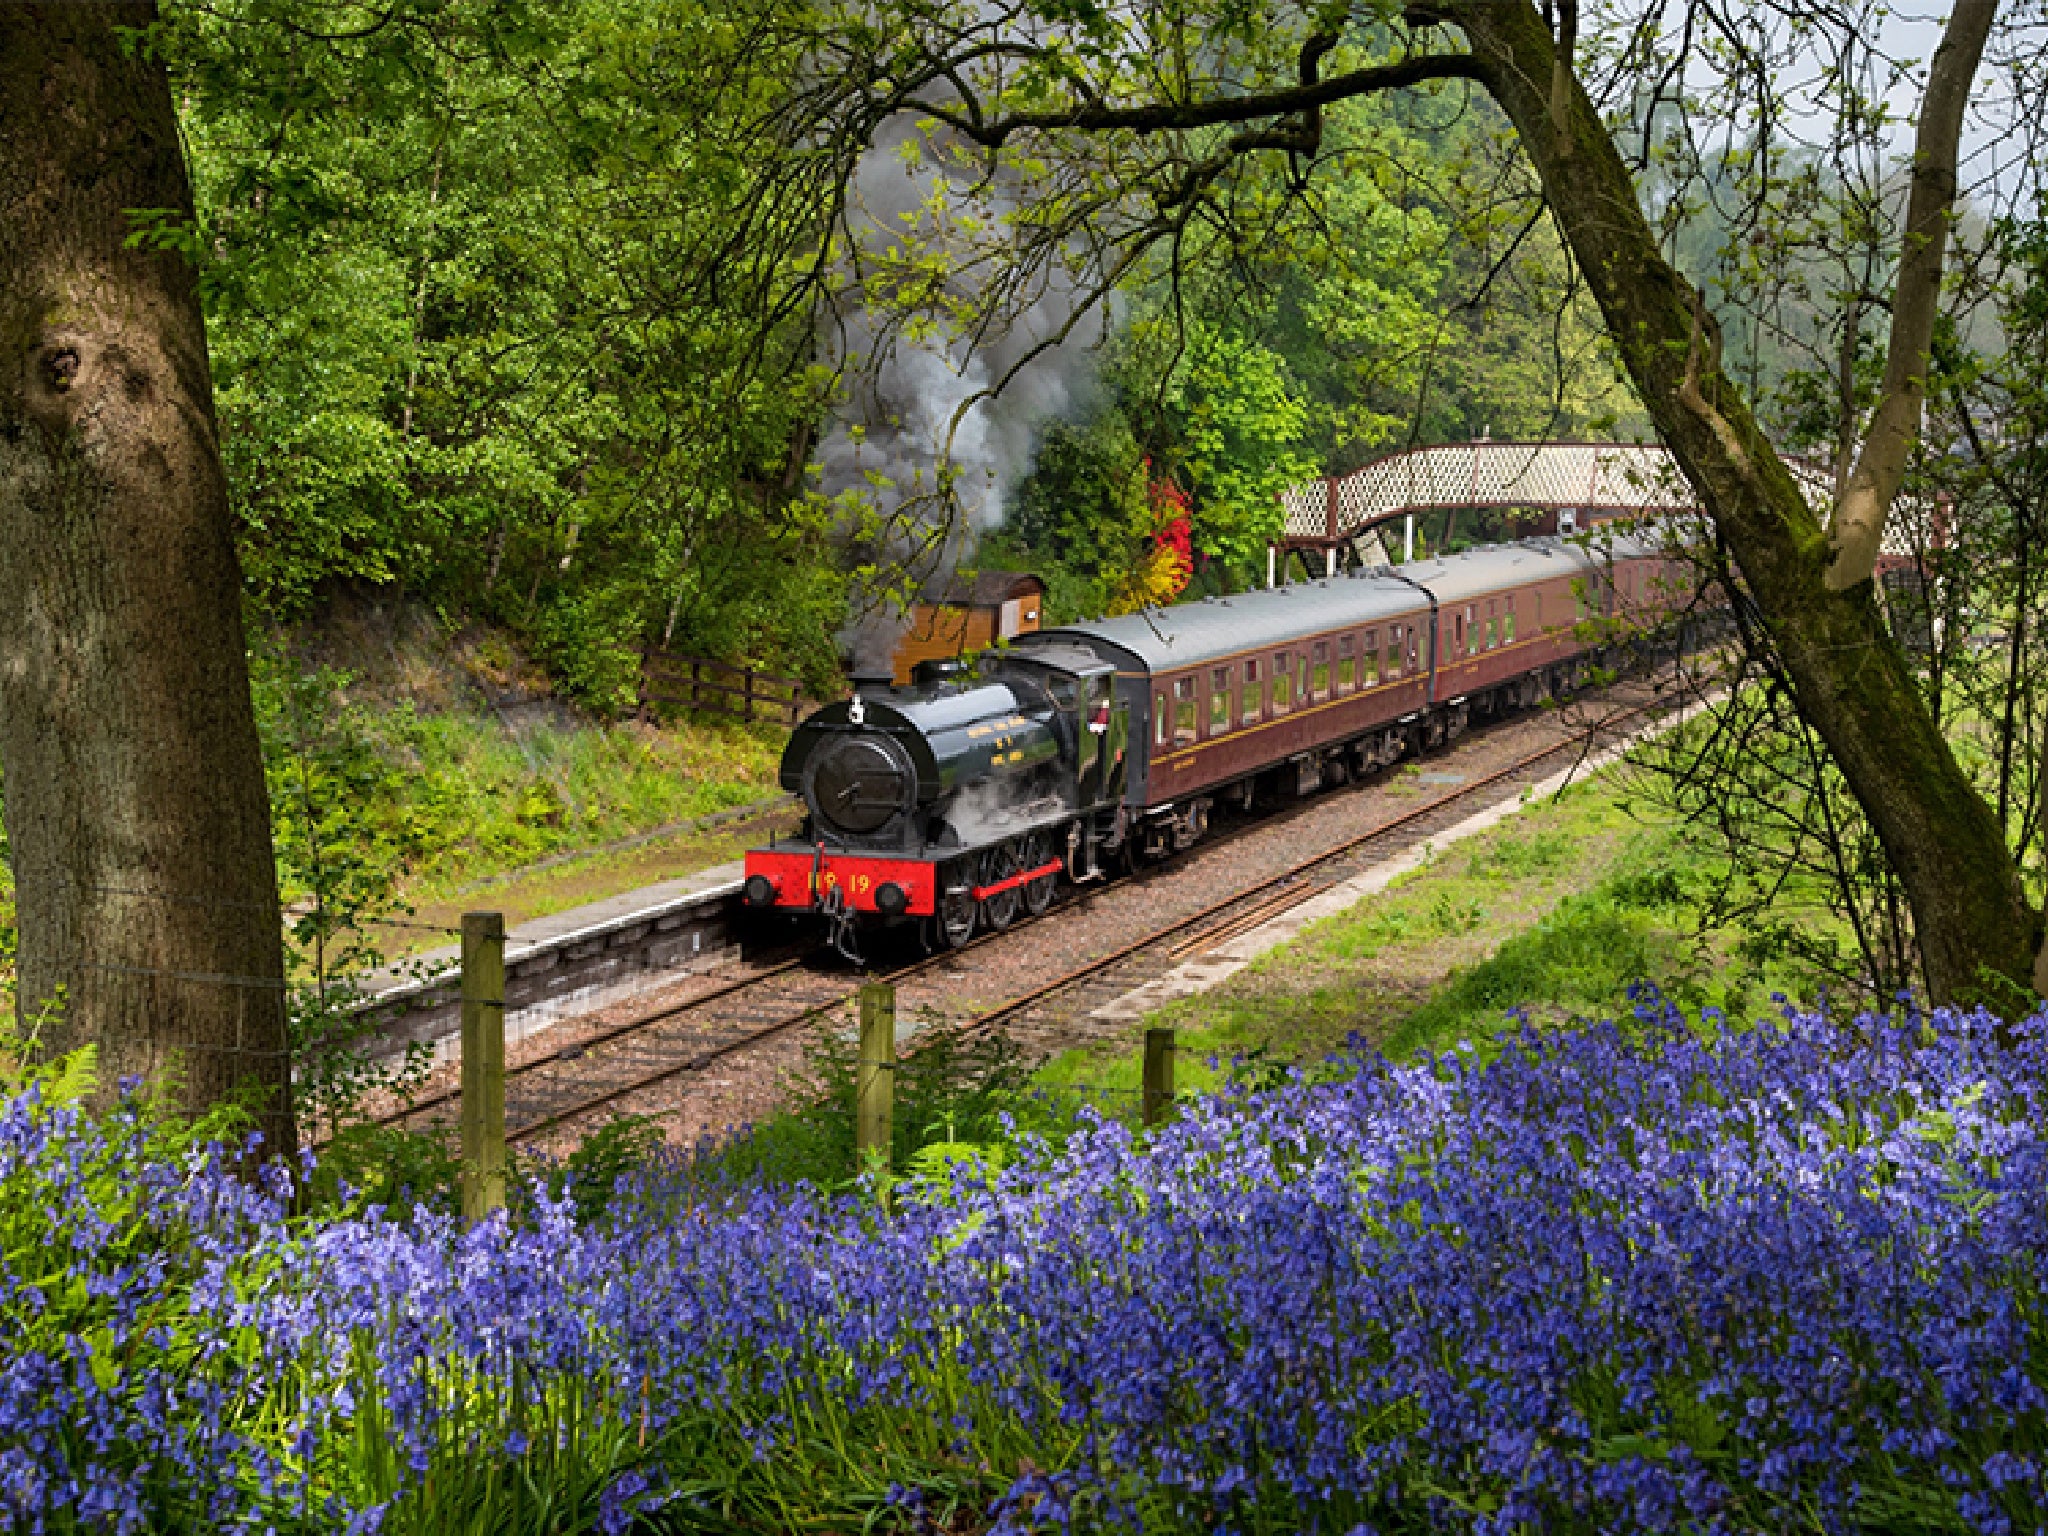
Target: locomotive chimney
870	679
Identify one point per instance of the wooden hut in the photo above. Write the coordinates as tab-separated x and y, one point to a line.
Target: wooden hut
970	616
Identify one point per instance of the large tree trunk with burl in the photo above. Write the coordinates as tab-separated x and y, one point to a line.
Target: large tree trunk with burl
1850	680
133	781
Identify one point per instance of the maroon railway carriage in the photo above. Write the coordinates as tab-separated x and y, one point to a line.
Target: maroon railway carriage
963	800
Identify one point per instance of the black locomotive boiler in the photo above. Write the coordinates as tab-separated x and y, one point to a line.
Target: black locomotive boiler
958	801
964	799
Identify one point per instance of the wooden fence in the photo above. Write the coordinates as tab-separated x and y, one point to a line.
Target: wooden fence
692	682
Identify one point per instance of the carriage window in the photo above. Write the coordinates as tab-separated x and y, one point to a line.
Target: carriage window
1458	637
1372	657
1393	651
1320	678
1219	701
1492	632
1253	701
1159	720
1283	685
1347	668
1414	651
1301	677
1184	712
1508	623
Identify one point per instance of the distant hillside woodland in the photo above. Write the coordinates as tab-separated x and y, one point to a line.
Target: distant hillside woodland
524	309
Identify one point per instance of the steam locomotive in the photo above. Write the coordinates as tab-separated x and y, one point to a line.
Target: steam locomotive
963	801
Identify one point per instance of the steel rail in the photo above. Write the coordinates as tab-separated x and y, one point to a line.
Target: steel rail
571	1052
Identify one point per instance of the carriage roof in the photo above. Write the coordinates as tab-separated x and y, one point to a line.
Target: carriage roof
1169	639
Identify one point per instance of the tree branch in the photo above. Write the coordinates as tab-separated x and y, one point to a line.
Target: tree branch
1857	531
1179	116
1561	75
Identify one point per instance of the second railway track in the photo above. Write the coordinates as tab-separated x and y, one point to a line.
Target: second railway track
623	1066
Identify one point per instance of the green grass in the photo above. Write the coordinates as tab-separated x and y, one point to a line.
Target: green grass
480	800
428	803
1557	910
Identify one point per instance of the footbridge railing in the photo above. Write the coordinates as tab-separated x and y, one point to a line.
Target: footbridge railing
1572	484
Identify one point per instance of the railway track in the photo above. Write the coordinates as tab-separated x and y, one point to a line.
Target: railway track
1232	916
627	1060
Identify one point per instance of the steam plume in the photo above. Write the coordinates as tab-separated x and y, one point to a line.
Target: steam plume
938	470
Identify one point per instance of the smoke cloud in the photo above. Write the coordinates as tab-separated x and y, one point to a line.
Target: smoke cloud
937	470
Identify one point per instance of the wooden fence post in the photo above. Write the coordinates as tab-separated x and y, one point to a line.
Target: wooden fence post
1158	1096
875	1077
483	1064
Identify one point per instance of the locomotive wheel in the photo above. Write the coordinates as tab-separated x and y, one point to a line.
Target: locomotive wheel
953	924
1000	910
1039	893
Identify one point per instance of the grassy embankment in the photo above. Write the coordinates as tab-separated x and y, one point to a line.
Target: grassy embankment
551	817
1555	911
436	774
476	785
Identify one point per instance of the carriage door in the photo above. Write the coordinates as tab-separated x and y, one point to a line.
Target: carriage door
1105	735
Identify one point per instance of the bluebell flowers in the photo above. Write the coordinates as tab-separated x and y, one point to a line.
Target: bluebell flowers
1652	1275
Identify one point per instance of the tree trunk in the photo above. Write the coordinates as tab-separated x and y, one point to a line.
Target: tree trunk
1850	680
134	789
1856	531
2041	959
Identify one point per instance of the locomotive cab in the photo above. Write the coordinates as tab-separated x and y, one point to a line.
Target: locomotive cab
1093	724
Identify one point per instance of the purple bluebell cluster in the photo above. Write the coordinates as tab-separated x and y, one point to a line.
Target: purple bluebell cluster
1651	1275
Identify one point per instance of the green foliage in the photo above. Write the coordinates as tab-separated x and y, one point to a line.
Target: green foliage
616	1150
476	799
498	310
1317	325
68	1079
588	651
342	840
338	862
1243	440
366	1164
953	1096
1448	915
1083	518
1515	857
